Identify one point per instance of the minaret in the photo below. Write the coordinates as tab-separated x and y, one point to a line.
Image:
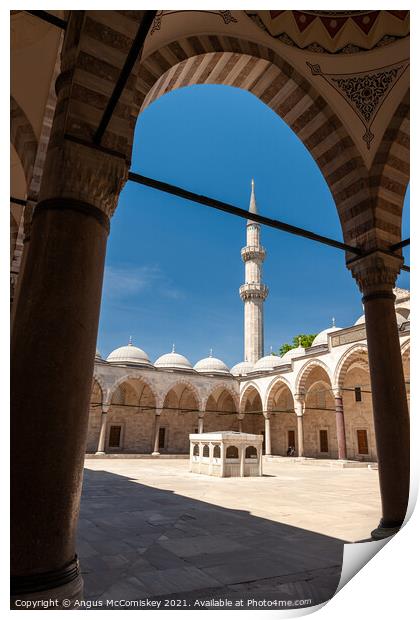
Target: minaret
253	293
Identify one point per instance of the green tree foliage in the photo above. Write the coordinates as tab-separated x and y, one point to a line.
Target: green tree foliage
303	340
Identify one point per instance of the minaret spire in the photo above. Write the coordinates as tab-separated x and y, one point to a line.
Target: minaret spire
253	293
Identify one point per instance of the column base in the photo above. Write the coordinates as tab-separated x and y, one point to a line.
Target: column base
382	532
100	453
155	453
28	593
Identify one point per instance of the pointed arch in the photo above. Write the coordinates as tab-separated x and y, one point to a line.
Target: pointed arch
227	388
356	353
244	396
274	387
189	386
300	384
127	377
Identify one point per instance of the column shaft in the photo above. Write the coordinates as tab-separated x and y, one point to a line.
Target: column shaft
267	427
156	436
102	433
340	427
53	348
300	435
201	424
390	410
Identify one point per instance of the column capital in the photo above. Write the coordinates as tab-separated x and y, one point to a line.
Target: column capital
105	408
338	392
299	403
158	410
376	273
82	173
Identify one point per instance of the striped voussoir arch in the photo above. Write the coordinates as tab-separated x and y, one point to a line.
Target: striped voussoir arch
23	139
207	59
390	175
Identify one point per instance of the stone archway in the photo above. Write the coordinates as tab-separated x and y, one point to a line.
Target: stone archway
280	407
221	411
178	418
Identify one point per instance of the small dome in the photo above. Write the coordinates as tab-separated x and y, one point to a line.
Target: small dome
211	365
322	337
400	319
243	368
129	355
98	356
292	353
173	360
360	320
268	362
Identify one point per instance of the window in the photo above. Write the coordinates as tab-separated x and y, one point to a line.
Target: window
216	452
323	441
196	450
232	452
362	442
358	394
251	452
162	433
114	437
206	450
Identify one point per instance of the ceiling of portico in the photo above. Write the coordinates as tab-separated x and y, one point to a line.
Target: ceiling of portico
356	60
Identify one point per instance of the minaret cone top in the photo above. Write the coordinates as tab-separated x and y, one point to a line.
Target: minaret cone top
252	201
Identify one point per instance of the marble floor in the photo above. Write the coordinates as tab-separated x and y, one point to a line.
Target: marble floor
151	530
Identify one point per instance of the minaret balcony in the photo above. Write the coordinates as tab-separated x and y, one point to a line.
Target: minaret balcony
253	290
253	252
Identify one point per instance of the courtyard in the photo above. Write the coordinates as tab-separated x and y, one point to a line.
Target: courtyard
150	529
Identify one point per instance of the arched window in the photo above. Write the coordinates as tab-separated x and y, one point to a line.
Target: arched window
232	452
206	450
251	452
196	450
216	452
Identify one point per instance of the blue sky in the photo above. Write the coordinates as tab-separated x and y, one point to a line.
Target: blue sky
173	268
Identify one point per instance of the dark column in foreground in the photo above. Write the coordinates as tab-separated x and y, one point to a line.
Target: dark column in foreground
52	351
376	276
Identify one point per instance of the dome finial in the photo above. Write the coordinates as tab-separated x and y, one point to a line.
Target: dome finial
271	348
173	348
211	353
333	321
130	341
299	341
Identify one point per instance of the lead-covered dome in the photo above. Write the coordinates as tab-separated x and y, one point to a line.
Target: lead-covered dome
292	353
173	360
268	362
322	337
129	355
212	365
243	368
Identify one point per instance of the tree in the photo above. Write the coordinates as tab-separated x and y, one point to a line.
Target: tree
303	340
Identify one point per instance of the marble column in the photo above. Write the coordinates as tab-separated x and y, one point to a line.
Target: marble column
376	276
299	405
267	428
242	461
155	451
102	432
53	347
340	425
201	422
240	423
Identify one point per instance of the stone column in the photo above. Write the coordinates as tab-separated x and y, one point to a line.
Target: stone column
102	432
240	418
53	347
242	461
376	275
299	410
156	433
201	422
267	428
339	424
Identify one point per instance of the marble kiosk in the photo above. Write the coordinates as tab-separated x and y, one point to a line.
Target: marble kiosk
226	454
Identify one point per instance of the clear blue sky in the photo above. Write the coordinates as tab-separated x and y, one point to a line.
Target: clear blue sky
173	268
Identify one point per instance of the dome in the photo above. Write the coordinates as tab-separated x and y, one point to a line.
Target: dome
98	356
211	365
361	320
243	368
268	362
129	355
173	360
295	352
322	337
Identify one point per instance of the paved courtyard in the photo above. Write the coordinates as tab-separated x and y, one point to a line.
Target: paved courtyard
150	529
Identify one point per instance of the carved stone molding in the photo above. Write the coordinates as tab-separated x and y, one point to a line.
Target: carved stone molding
365	92
157	22
83	173
376	272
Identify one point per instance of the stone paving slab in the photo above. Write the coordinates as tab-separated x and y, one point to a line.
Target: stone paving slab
151	528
